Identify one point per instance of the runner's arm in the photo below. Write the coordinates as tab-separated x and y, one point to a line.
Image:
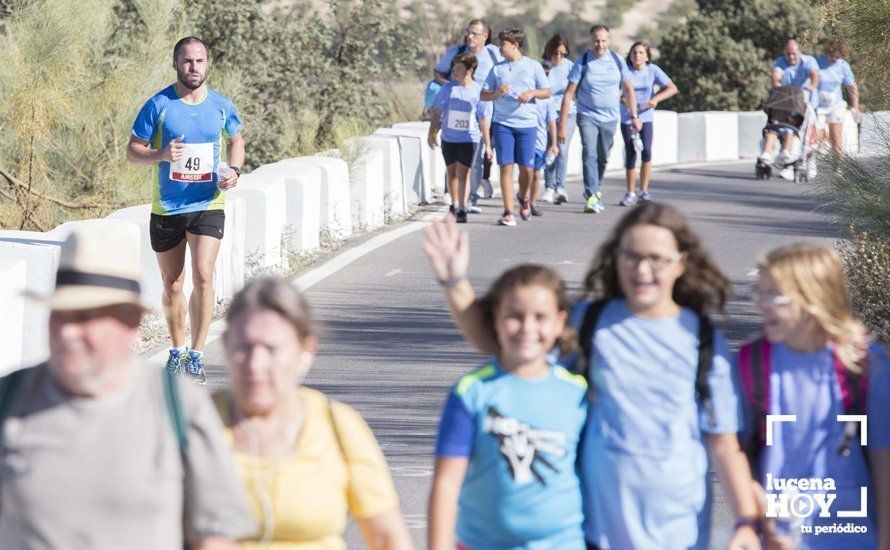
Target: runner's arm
488	95
235	150
880	469
448	250
435	125
853	90
139	152
440	78
442	520
735	478
814	80
776	76
564	110
669	91
485	127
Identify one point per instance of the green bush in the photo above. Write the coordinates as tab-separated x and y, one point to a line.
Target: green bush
867	265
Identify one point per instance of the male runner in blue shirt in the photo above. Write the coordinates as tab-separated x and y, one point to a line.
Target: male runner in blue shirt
181	130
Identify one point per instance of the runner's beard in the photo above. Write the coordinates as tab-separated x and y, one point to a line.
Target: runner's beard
191	85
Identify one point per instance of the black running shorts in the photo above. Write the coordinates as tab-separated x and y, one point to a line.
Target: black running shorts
167	232
462	153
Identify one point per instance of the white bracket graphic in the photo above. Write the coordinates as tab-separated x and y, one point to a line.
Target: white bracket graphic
771	418
862	512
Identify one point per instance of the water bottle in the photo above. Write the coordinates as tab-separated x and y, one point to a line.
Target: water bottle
638	143
222	172
551	158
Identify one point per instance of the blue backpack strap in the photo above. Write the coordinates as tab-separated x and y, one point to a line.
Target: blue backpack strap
175	411
584	60
618	63
583	365
705	363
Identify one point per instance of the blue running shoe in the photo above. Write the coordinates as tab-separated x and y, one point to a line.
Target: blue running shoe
178	361
196	366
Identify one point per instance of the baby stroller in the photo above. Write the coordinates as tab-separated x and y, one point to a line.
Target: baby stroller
788	113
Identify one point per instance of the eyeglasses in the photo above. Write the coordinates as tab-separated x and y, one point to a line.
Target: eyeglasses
770	300
632	260
472	34
560	53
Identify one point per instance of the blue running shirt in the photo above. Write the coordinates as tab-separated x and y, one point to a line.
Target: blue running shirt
462	109
831	78
644	82
522	75
520	435
188	185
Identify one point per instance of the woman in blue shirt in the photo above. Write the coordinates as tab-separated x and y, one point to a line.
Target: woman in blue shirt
834	74
644	76
557	52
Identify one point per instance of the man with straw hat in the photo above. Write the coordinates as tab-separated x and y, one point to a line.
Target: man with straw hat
98	450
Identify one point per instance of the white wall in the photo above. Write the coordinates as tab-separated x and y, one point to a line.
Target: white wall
751	124
708	136
13	275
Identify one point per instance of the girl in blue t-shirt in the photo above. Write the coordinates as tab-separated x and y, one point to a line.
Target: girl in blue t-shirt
814	362
649	438
505	456
644	76
463	118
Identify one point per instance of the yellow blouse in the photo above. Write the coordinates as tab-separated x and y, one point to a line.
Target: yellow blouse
308	494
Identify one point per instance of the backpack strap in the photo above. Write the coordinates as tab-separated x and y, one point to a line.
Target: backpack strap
585	339
754	366
584	60
494	57
9	386
617	59
703	368
175	411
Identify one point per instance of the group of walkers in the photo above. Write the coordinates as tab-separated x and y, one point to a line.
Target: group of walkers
595	423
527	111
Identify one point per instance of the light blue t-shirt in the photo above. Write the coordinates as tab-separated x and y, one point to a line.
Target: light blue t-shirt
559	81
485	59
461	111
832	78
644	463
521	490
806	385
599	96
547	113
796	75
190	184
522	75
644	82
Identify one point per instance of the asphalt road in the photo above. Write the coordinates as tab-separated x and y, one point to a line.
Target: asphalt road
390	350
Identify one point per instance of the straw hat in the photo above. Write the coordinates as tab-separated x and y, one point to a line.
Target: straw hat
98	267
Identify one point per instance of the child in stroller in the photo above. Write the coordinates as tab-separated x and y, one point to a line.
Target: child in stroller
790	122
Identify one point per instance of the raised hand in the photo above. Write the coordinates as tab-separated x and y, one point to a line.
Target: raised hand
174	150
448	249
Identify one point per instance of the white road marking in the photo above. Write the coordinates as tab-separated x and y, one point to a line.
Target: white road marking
393	272
322	272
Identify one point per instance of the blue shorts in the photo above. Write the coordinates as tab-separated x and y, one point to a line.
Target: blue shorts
540	159
514	145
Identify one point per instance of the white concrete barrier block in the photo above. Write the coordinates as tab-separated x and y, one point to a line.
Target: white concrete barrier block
751	124
410	153
664	138
152	285
413	140
366	190
437	161
265	203
13	275
708	136
874	134
302	185
395	202
229	270
851	134
40	252
335	214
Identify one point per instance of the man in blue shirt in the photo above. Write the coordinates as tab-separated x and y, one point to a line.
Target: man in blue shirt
598	77
797	70
180	130
477	41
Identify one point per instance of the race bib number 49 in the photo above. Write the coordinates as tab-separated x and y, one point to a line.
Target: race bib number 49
459	120
195	165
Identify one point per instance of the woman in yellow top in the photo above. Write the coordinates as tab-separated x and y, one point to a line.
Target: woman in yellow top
306	461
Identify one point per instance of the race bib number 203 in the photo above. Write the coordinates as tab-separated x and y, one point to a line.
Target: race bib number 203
195	165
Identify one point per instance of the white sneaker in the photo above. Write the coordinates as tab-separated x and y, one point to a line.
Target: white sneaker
473	209
781	159
487	189
629	199
548	195
561	196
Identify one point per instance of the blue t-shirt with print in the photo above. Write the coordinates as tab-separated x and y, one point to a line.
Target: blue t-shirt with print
190	184
832	78
461	111
559	81
644	82
599	96
521	75
547	113
806	385
521	489
485	60
644	462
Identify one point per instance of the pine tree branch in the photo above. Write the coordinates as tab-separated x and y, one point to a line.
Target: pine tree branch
61	202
